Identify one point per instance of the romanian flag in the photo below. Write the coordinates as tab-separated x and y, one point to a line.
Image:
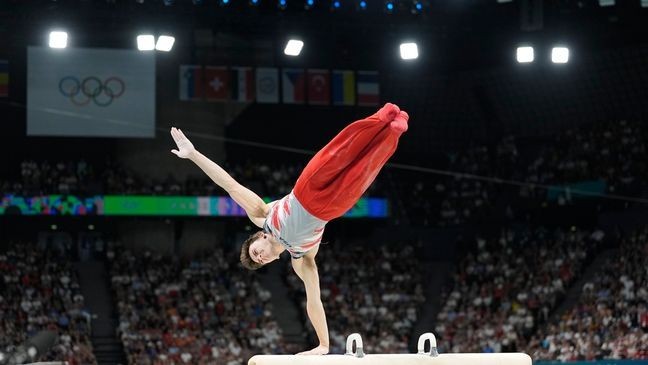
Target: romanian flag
344	87
4	78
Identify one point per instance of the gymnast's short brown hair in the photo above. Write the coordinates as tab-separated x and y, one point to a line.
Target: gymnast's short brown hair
246	259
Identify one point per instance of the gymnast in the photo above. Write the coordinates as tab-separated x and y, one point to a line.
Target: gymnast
330	184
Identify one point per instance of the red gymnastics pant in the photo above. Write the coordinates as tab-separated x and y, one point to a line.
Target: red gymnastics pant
337	176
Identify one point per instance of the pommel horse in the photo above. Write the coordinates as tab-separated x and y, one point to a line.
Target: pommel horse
431	357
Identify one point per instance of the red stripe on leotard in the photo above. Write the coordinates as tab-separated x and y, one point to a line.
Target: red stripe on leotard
311	244
275	218
286	207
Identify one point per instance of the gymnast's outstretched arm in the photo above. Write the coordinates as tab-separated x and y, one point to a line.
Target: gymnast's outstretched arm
253	205
306	269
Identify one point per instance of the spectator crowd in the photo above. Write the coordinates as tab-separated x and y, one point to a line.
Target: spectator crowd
39	290
203	310
206	310
509	284
372	289
610	319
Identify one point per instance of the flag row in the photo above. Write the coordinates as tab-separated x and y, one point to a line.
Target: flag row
274	85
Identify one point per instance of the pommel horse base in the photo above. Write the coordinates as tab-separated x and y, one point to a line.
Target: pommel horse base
358	356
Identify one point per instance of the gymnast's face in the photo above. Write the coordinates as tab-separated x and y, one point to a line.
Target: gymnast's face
261	250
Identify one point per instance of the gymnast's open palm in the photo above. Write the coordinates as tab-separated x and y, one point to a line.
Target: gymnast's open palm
185	147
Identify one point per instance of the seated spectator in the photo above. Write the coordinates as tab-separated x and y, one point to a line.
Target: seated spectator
199	311
507	286
610	319
39	291
376	292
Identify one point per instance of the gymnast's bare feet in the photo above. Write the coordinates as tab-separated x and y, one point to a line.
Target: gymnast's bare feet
319	350
400	122
388	112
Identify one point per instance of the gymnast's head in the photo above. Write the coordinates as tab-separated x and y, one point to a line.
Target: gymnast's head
257	251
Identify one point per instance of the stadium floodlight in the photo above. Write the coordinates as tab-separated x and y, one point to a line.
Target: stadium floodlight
145	42
282	4
164	43
362	5
254	2
417	7
389	6
409	51
293	47
336	4
604	3
560	55
525	54
309	4
58	39
644	3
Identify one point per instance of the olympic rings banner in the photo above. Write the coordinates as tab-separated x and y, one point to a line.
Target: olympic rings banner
91	88
90	92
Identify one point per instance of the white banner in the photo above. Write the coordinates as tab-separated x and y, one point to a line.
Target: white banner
267	88
90	92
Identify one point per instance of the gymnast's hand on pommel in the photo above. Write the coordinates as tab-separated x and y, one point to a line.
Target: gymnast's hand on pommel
185	147
319	350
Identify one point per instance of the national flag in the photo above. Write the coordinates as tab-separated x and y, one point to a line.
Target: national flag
216	83
191	82
344	87
267	85
368	88
293	85
242	84
319	87
4	78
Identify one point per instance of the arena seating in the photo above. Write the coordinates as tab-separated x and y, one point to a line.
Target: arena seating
200	310
374	289
39	290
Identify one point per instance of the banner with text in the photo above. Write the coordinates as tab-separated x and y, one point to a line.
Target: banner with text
139	205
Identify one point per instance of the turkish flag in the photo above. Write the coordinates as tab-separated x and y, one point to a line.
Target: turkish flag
217	86
319	87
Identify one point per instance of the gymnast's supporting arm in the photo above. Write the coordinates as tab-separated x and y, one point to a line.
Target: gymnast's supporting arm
253	205
306	269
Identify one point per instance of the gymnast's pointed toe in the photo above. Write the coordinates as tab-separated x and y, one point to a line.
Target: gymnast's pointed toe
400	122
388	112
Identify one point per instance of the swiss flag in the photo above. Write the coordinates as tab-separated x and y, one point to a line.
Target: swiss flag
319	87
217	86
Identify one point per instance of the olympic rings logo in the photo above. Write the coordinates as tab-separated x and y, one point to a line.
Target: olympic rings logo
81	92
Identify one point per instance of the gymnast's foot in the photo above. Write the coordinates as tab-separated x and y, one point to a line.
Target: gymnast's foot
400	122
388	112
